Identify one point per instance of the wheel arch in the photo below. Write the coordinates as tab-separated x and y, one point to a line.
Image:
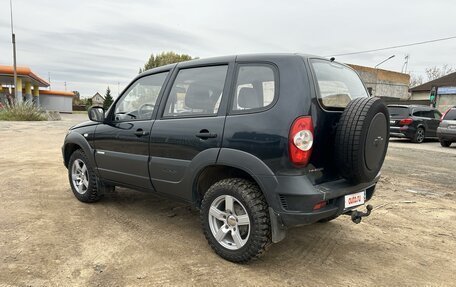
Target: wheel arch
232	163
73	142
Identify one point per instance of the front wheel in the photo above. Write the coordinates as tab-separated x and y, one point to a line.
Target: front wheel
235	220
82	178
445	143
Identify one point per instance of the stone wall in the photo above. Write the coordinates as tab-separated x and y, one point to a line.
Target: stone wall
384	83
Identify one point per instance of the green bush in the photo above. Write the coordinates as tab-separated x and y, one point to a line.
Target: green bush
22	112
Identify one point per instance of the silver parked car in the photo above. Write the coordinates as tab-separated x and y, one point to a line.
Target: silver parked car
447	128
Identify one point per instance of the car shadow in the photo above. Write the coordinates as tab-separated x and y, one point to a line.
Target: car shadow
316	244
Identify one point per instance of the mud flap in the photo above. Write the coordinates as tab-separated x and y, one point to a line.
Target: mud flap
278	230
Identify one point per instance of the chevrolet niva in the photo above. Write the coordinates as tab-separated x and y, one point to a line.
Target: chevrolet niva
258	143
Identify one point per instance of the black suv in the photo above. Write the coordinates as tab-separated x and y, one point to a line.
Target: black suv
258	143
414	122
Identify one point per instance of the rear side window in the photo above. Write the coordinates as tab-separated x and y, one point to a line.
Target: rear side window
337	83
196	92
399	112
255	87
424	114
450	115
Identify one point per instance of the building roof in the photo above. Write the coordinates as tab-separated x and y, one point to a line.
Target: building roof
56	93
23	72
98	94
448	80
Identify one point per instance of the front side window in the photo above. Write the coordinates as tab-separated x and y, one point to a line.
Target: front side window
255	87
196	92
337	83
138	103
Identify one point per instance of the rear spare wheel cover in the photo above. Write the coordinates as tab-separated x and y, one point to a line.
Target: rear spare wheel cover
361	139
376	141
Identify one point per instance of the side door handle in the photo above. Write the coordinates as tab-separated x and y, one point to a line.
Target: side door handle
205	134
141	132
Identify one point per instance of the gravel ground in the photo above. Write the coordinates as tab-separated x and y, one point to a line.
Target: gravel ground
48	238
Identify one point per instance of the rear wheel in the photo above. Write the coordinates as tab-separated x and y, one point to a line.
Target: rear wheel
235	220
419	135
445	143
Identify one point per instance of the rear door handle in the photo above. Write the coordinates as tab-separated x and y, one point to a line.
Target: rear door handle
205	134
141	132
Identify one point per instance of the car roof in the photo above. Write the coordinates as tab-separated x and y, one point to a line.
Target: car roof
240	57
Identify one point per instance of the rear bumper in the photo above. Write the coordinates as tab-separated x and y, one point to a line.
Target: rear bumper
446	134
402	132
295	197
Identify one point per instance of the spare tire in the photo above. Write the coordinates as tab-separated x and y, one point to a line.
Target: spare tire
361	141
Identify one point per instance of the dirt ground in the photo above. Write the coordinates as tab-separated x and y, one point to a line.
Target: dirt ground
48	238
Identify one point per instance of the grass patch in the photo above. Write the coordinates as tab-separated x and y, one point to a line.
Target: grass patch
22	112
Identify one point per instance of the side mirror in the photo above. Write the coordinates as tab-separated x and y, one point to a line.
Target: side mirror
96	114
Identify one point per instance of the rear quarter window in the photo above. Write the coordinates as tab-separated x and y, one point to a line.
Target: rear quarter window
256	88
337	84
450	115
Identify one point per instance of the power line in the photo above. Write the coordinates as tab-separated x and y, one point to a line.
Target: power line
393	47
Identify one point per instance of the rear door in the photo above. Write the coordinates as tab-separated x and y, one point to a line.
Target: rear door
189	130
122	144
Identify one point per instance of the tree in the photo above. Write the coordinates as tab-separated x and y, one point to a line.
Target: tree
415	80
435	72
88	103
164	58
108	99
76	98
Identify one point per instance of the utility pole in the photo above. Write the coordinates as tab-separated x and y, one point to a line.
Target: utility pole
49	79
404	67
118	84
13	38
65	86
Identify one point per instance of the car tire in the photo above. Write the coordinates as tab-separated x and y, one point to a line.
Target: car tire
83	181
445	143
361	141
419	135
235	220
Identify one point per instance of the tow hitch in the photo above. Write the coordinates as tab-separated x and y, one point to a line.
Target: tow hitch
356	215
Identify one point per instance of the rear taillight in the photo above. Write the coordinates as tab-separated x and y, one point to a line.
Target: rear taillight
406	122
300	140
319	205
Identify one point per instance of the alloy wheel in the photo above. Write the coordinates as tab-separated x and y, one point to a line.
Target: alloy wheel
420	135
229	222
80	176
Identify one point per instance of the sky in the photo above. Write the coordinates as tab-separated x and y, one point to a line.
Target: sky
94	44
